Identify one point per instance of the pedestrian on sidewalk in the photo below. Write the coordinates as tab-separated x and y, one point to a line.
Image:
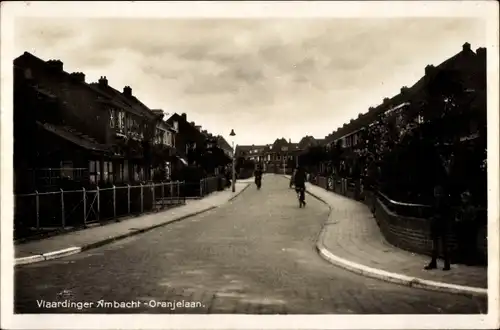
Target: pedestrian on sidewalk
439	227
299	180
465	221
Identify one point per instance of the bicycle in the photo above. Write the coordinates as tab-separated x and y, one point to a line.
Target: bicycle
301	196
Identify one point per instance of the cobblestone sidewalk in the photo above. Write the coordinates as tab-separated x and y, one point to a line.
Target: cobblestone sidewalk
98	234
353	234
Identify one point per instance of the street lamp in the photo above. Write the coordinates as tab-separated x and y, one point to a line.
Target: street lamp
233	189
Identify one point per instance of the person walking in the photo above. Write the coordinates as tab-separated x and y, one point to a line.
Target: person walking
439	227
299	180
465	221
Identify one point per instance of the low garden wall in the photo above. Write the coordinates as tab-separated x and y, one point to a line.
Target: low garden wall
404	225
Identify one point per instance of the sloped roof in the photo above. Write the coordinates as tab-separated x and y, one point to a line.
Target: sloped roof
223	144
458	62
72	135
131	102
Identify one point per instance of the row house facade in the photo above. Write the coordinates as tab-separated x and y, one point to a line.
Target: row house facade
410	108
282	155
68	132
279	156
197	147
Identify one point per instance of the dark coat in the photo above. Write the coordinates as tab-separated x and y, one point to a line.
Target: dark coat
300	178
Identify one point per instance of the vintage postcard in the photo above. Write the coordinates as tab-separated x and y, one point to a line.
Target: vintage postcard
250	165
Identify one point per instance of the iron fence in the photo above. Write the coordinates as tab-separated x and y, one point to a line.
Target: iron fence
204	187
42	212
356	189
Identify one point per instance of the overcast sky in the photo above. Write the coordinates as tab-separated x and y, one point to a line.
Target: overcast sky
264	78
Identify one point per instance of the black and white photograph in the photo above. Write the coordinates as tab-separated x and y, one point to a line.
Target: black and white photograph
232	161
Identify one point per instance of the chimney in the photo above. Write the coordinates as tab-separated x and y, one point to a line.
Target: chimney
78	76
385	100
481	51
56	65
127	91
466	47
103	81
158	112
429	69
184	116
198	127
404	90
192	123
290	141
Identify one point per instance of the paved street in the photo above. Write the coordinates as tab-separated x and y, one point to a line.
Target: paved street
253	255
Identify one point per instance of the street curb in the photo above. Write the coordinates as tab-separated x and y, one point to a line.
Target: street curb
74	250
239	192
386	276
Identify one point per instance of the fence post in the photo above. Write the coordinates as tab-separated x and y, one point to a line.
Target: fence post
178	191
142	198
98	204
162	195
201	188
63	220
172	189
37	203
114	201
128	198
153	196
84	207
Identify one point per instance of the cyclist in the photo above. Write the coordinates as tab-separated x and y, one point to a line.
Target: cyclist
299	180
258	176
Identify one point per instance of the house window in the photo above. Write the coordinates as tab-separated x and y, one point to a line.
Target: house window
112	118
119	172
126	174
67	169
138	173
169	138
176	125
108	172
135	169
121	121
129	123
94	172
168	167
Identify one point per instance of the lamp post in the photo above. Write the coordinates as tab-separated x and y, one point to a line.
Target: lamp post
233	189
284	163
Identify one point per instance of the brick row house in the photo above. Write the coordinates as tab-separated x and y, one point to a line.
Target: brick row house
433	132
70	133
456	87
199	148
282	155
